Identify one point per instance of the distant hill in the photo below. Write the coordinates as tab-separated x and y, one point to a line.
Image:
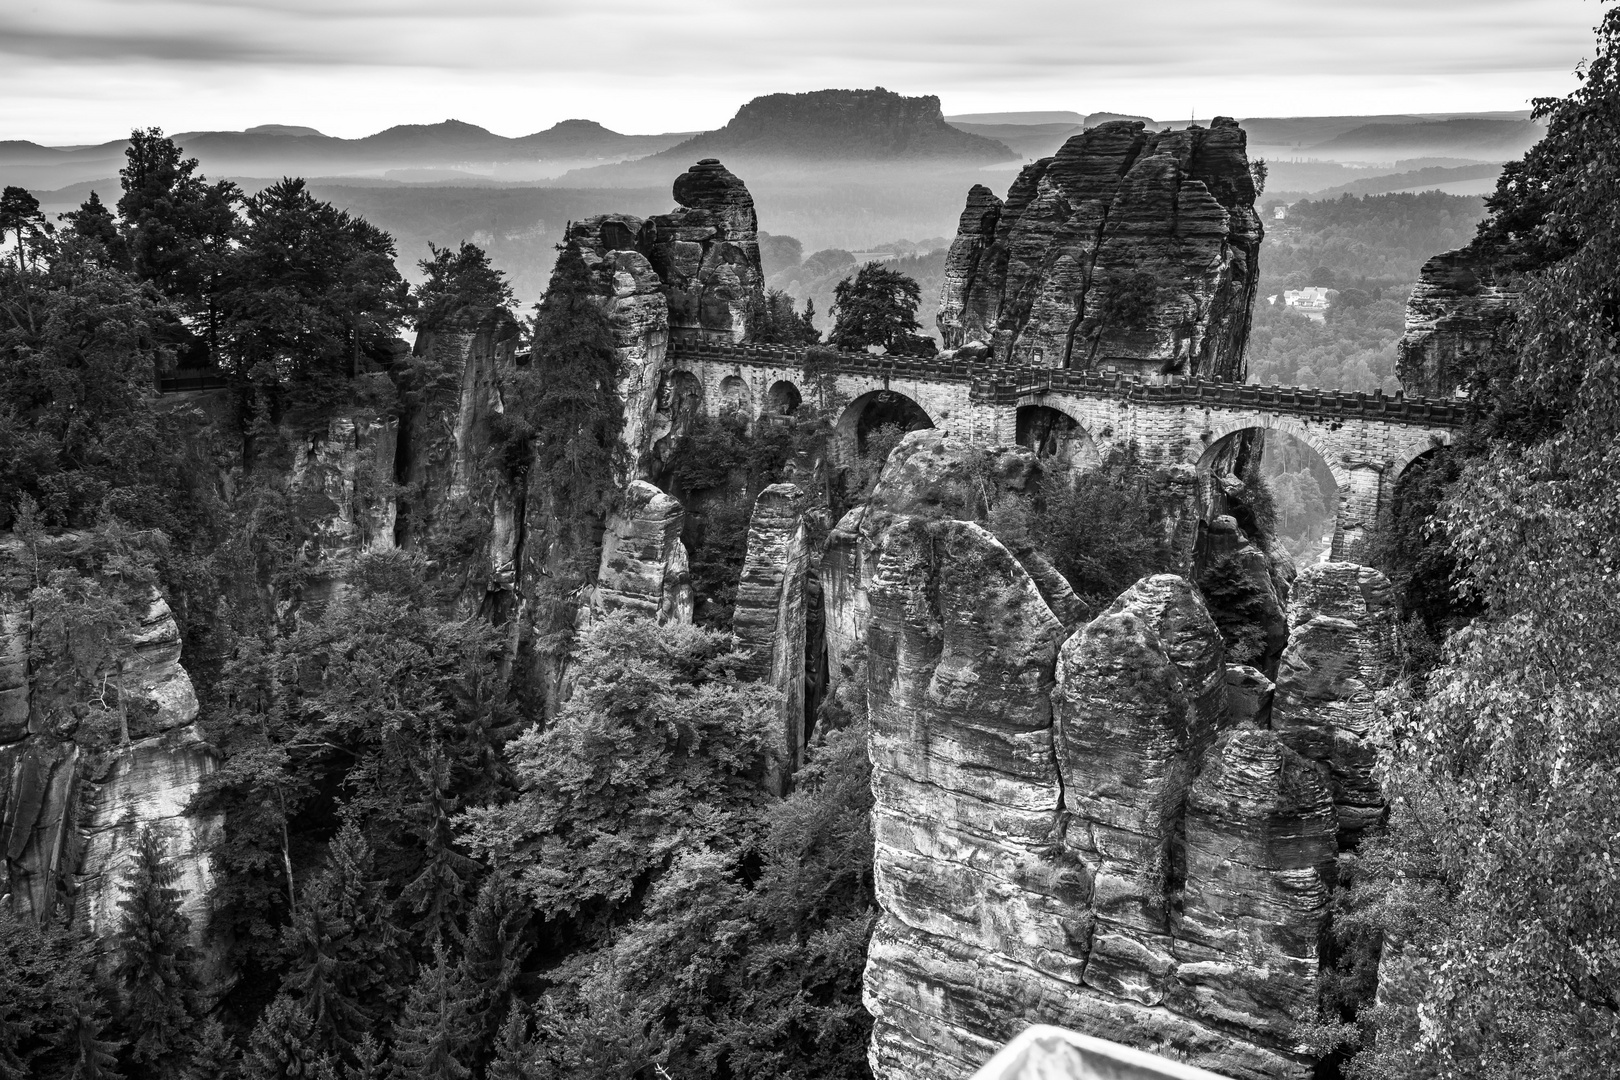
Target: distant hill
822	129
1436	178
1019	118
1026	140
1464	136
279	149
844	125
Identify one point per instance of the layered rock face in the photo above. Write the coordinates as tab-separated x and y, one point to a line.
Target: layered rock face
1095	827
1456	319
644	567
1128	248
1340	647
95	745
770	618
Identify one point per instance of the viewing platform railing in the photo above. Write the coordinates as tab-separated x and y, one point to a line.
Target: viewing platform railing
1053	1053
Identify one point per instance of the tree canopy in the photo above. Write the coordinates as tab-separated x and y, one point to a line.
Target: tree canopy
877	306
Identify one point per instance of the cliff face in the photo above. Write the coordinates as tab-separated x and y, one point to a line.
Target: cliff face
1456	319
1101	827
98	739
1127	248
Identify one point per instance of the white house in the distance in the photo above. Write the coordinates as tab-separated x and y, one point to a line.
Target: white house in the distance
1312	301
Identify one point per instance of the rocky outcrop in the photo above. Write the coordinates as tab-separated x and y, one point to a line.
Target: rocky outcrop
770	617
644	565
1128	249
1340	648
1456	319
1071	828
97	742
694	272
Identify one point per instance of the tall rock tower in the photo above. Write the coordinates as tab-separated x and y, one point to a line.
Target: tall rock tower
1128	249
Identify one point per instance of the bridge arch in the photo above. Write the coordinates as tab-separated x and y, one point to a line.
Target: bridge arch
1053	432
1323	514
783	398
736	397
873	410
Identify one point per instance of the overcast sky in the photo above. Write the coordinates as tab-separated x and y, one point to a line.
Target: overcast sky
88	70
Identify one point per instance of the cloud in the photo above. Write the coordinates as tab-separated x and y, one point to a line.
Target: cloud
516	65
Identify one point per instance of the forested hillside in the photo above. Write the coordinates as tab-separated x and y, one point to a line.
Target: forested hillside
1367	248
410	879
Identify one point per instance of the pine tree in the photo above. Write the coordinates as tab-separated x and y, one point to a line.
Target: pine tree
215	1058
369	1060
514	1050
94	223
342	945
492	953
282	1047
430	1036
94	1056
438	893
155	963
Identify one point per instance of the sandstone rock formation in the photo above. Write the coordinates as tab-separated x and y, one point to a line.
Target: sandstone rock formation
770	618
644	564
693	272
1128	248
1456	317
95	745
1341	629
1080	828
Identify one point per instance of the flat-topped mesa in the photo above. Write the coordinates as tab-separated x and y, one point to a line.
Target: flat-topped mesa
1456	319
1128	249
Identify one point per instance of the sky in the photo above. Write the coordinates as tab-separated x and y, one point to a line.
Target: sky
82	71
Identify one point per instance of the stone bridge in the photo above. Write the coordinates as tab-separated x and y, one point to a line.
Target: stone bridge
1366	440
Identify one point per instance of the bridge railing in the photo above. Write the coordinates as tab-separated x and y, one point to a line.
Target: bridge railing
1005	384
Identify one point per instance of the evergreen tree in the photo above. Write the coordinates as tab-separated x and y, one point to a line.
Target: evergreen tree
514	1050
570	396
438	893
216	1058
878	306
493	950
95	224
311	291
155	965
20	218
94	1056
430	1037
282	1046
459	284
370	1060
178	226
341	944
43	995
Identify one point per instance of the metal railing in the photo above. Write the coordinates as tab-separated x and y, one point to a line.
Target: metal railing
1043	1052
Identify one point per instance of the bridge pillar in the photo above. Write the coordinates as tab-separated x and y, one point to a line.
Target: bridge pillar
1361	500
